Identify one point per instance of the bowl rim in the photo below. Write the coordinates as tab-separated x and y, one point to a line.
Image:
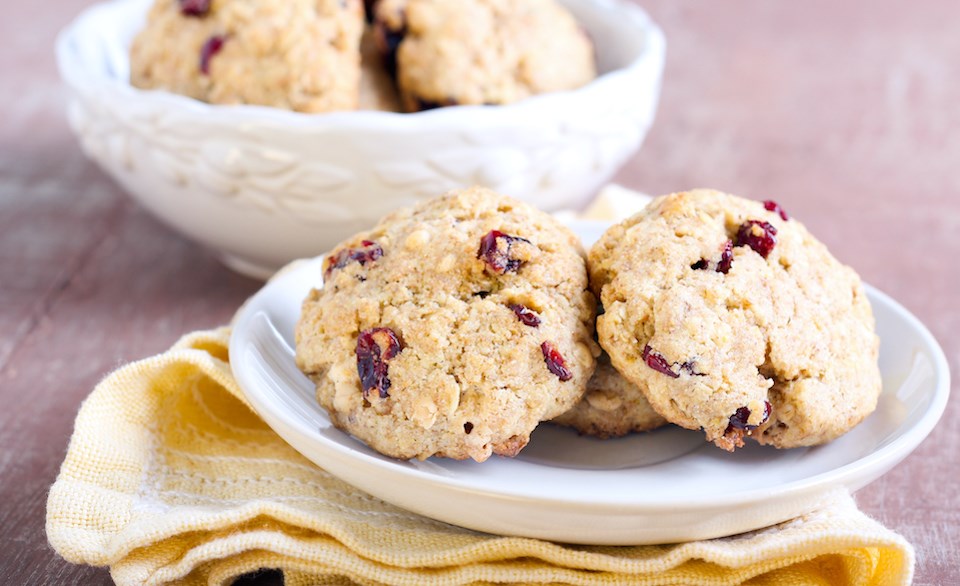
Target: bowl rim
77	74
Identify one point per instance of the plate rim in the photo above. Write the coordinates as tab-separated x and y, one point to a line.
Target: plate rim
888	455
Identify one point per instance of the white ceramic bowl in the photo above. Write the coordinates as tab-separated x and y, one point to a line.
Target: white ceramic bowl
264	186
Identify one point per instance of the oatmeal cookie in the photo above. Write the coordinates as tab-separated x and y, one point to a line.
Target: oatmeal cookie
300	55
612	406
451	328
481	51
735	320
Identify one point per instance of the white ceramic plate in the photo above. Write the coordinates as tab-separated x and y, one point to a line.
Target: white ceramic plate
661	487
284	185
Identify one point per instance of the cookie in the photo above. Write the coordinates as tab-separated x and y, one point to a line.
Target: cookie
733	319
481	51
612	406
299	55
451	329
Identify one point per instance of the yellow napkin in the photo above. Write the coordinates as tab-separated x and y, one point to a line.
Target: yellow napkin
171	478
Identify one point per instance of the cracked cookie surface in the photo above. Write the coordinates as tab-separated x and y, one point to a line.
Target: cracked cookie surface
452	328
481	51
736	321
301	55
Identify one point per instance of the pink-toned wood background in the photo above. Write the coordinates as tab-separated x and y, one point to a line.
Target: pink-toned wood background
848	113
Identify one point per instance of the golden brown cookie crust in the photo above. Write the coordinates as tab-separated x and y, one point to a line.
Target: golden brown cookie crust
470	378
793	329
301	55
484	51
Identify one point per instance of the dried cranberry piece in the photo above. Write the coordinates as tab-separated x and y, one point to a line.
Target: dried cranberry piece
194	7
209	49
375	348
527	316
739	419
555	362
723	266
772	206
495	251
369	251
656	361
758	235
726	258
767	410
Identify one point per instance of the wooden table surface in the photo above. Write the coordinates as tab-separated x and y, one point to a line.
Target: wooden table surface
848	113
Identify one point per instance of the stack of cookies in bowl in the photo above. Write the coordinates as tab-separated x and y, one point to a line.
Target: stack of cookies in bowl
306	55
453	328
